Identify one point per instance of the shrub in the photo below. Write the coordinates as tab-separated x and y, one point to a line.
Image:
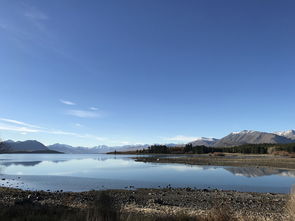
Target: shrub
218	154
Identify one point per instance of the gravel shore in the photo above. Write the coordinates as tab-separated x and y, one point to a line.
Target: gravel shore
263	206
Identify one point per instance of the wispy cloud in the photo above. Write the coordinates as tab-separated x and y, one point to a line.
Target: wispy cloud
7	127
34	13
87	136
28	28
78	125
84	114
93	108
18	123
181	138
24	128
67	102
31	29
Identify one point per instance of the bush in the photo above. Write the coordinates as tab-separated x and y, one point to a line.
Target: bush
218	154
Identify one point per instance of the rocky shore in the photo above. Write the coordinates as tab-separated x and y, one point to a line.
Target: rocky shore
150	202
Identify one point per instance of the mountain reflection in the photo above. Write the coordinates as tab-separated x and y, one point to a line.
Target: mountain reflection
260	171
24	163
34	163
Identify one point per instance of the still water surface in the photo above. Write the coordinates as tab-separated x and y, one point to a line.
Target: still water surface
75	172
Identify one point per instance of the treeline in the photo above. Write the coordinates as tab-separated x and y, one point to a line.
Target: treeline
244	149
3	146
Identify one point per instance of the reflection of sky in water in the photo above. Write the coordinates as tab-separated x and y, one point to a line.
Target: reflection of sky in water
122	168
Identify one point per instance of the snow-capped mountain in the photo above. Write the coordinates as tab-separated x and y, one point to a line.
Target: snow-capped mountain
251	137
93	150
288	134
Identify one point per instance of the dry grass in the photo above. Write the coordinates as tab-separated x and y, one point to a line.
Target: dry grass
243	160
132	212
291	205
218	154
103	209
283	154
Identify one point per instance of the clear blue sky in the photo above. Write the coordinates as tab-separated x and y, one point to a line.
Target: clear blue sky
145	71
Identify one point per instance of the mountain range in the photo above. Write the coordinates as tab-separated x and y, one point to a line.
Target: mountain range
247	137
97	149
233	139
251	137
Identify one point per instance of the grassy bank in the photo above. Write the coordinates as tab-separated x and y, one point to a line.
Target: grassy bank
279	162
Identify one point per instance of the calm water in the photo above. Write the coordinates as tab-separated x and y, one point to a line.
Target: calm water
86	172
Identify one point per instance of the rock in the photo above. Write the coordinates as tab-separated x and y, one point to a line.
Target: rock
159	201
131	199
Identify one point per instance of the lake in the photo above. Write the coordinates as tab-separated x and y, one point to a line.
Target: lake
82	172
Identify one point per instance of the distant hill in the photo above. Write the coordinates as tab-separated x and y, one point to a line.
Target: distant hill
4	147
251	137
28	146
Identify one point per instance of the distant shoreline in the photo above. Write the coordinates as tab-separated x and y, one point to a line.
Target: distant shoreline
278	162
33	152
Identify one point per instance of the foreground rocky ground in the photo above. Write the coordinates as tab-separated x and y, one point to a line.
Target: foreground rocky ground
154	203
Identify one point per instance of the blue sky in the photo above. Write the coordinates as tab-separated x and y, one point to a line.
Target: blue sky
124	72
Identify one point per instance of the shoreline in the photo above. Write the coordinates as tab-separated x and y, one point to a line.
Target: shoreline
228	160
151	202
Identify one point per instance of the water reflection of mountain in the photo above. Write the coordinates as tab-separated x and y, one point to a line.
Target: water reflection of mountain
256	172
34	163
24	163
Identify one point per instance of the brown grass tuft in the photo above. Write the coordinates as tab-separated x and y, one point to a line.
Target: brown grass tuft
218	154
283	154
291	205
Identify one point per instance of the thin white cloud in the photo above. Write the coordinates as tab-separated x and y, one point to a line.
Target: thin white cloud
181	138
67	102
84	114
24	128
34	13
18	129
88	136
18	122
93	108
78	125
